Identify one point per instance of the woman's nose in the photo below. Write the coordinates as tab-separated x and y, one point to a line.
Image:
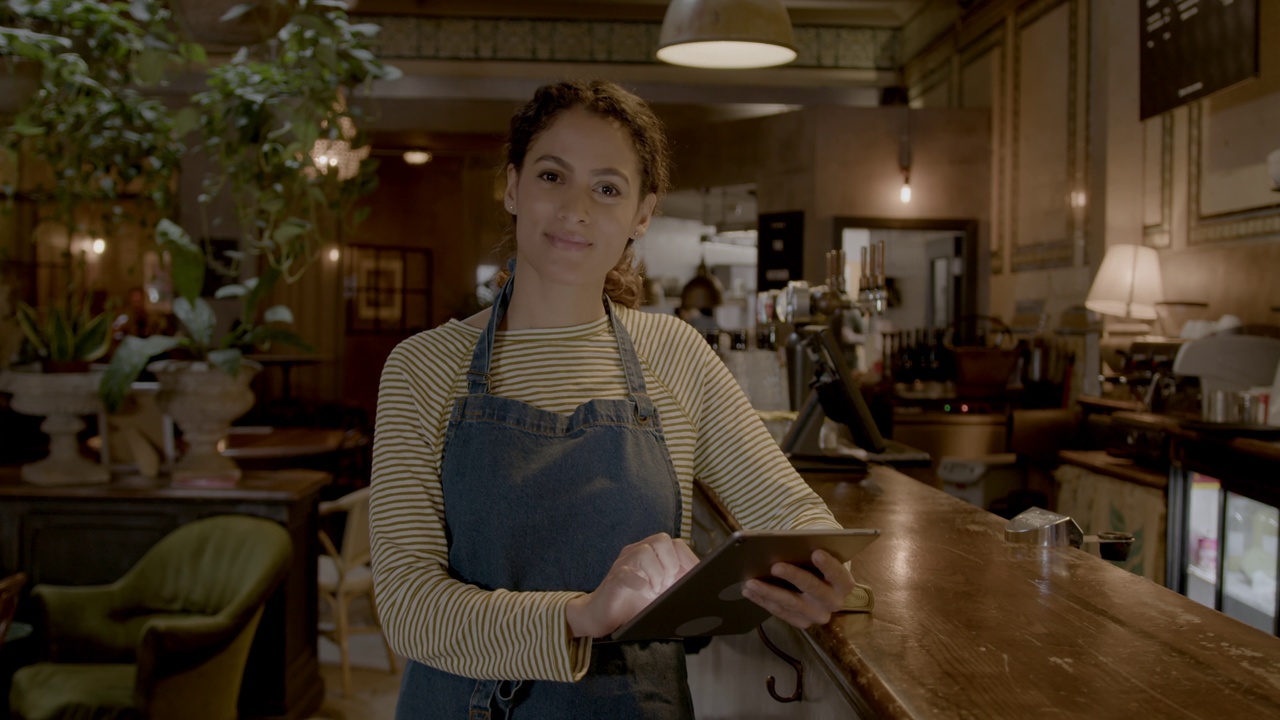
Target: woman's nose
576	207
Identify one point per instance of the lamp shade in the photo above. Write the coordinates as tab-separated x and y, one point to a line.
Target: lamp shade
733	34
1128	284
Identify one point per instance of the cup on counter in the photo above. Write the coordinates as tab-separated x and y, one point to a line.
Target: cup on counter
1220	407
1255	406
1249	407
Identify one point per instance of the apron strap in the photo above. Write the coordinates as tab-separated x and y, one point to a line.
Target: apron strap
478	380
636	389
478	374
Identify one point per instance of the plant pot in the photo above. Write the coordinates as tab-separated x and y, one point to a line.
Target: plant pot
61	399
203	402
201	20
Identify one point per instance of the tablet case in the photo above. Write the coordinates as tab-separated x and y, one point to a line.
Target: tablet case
708	599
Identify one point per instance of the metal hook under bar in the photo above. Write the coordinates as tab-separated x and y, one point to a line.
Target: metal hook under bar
795	664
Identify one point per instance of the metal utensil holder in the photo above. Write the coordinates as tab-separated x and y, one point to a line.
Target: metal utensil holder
1042	528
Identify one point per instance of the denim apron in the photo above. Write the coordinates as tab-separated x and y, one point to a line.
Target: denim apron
535	501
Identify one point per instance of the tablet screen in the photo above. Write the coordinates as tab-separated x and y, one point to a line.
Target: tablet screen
708	599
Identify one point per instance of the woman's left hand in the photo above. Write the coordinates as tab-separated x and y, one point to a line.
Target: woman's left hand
820	593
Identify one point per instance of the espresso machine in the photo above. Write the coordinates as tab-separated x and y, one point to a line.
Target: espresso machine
806	308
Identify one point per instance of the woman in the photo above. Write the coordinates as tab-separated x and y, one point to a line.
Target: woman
533	464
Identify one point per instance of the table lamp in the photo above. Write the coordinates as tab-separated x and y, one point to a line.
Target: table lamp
1128	285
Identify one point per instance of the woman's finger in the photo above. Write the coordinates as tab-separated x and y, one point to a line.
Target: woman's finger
834	572
686	555
788	606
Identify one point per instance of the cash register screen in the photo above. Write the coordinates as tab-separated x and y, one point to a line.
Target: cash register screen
838	392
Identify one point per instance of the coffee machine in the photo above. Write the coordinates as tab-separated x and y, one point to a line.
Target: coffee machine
808	308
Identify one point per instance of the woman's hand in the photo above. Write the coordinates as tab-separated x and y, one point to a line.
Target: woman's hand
820	594
642	571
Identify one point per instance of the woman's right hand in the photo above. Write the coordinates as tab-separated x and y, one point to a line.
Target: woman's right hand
642	571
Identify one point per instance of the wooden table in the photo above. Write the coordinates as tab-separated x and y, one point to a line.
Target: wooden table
93	534
286	363
967	625
274	443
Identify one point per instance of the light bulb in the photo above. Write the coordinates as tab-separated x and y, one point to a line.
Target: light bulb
334	254
905	193
99	246
417	157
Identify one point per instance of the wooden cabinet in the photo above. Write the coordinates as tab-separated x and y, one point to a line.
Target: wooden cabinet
94	534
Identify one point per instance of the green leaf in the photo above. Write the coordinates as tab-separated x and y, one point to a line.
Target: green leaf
236	12
261	287
231	291
29	321
278	313
188	259
263	336
228	360
198	318
127	364
93	339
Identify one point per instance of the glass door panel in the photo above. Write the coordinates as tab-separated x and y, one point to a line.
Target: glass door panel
1202	539
1249	586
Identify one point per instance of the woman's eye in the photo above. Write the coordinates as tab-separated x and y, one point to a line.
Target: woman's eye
609	190
549	176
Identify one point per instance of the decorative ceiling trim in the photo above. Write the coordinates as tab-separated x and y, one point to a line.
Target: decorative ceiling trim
591	41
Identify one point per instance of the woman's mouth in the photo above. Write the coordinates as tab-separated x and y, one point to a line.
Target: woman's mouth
568	243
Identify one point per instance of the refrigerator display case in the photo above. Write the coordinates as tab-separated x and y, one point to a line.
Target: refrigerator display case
1226	531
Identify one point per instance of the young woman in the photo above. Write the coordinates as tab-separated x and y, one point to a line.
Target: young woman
533	464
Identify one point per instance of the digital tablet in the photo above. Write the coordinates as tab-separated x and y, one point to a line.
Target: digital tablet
708	599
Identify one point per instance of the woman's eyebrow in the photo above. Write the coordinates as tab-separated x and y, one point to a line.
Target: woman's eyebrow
561	162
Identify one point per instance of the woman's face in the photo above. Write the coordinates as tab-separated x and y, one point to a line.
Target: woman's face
577	200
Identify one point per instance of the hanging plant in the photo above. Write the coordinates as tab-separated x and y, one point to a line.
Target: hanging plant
98	137
260	120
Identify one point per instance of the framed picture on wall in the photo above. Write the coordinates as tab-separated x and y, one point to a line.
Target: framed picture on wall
380	285
387	289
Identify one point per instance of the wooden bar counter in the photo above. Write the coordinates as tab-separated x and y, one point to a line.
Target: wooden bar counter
967	625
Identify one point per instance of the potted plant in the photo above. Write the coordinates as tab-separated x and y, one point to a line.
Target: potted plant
282	140
88	141
205	385
54	380
95	139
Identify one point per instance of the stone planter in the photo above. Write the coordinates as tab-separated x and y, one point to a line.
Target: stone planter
203	402
62	399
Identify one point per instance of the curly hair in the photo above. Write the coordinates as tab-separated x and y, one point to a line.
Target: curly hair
625	282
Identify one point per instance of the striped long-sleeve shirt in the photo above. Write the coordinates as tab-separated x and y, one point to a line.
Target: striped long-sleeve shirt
711	431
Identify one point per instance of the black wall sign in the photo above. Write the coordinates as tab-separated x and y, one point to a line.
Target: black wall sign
1191	48
779	249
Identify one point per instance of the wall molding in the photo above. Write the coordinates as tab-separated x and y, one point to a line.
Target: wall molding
1160	235
994	40
1059	253
599	41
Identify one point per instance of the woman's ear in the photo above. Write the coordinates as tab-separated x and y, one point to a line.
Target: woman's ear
645	214
509	197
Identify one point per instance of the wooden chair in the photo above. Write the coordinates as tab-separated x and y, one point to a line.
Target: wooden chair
345	574
10	588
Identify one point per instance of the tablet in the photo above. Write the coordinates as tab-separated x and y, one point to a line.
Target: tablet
708	599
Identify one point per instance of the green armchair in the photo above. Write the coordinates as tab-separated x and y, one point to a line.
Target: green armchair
168	640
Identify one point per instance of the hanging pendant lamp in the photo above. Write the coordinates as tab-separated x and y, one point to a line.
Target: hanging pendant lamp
730	34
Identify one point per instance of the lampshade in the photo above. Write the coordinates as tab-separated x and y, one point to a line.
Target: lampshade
1128	284
732	34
